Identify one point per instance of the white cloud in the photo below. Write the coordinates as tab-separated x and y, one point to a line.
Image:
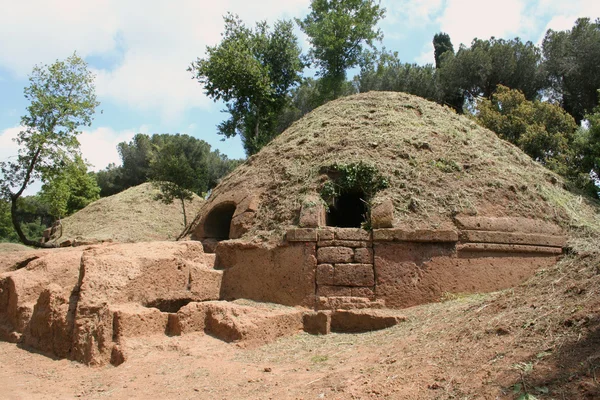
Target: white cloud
157	39
99	146
42	31
465	20
564	14
412	12
427	55
8	147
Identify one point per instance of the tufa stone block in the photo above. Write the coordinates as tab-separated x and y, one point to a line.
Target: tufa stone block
356	234
363	320
363	256
317	322
324	274
354	275
334	291
332	255
301	235
326	234
382	215
312	213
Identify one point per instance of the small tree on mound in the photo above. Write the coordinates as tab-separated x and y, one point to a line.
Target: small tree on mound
62	97
180	167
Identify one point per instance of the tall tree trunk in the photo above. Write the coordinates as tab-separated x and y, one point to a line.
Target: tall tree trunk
13	205
17	226
184	214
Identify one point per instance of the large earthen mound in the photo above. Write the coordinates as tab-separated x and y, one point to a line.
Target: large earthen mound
438	165
133	215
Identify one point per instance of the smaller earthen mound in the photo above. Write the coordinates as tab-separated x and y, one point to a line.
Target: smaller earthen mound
133	215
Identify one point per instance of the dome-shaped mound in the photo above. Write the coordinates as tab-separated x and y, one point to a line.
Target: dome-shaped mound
436	164
133	215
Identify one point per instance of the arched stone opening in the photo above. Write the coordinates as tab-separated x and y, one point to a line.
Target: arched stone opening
217	224
349	210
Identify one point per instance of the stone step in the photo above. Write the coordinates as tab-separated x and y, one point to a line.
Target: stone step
348	303
350	321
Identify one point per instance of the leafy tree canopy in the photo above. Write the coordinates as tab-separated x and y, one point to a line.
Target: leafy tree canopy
62	99
70	190
139	154
441	45
384	71
543	130
572	59
252	71
337	31
478	70
588	144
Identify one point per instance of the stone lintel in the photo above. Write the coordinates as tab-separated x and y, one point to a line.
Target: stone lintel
343	243
513	238
422	235
507	224
507	248
356	234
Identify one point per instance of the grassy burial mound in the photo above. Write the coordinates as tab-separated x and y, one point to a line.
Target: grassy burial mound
130	216
430	162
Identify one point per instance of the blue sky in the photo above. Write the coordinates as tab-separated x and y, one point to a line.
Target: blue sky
140	50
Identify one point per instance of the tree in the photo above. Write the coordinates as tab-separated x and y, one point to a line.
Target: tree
182	165
110	180
173	174
450	94
572	59
337	31
62	98
588	143
138	155
542	130
384	71
441	45
252	70
478	70
70	190
135	156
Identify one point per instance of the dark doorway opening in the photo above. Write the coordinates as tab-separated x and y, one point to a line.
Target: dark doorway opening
349	210
218	222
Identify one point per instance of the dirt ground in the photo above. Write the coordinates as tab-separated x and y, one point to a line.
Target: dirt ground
540	340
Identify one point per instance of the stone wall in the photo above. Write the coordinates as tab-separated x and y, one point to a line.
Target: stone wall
269	273
398	268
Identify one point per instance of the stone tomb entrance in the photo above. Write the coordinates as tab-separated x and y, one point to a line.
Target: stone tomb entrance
217	224
228	217
349	210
